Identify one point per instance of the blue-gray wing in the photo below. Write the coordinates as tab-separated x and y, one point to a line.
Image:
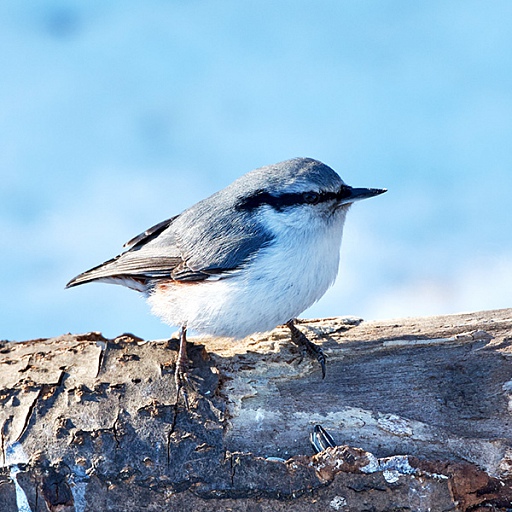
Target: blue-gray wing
205	240
213	236
137	263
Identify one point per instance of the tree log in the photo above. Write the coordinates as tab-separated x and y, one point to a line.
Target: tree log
420	410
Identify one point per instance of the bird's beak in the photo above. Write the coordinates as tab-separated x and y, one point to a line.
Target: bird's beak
356	194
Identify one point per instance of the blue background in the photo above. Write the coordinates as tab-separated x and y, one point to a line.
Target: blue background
116	115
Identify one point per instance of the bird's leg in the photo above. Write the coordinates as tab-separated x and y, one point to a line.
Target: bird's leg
180	374
306	345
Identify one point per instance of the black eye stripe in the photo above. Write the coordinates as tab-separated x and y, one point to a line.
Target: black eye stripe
281	201
311	197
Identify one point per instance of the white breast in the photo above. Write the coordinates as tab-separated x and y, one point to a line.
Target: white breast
279	283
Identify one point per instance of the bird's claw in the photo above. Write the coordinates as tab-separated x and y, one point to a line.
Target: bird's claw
307	346
181	380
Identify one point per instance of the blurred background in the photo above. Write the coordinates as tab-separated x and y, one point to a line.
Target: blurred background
116	115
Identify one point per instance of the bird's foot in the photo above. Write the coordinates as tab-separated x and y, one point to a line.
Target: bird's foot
307	346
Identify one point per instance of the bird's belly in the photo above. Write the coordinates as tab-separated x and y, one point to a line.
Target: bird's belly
277	286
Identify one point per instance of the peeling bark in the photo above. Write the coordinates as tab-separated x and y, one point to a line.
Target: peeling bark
420	409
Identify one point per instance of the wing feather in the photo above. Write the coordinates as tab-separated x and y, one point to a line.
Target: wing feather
150	233
141	268
204	241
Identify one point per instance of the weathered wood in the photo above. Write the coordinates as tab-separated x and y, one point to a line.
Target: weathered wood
421	409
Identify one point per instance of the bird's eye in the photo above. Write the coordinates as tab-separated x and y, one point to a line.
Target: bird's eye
311	197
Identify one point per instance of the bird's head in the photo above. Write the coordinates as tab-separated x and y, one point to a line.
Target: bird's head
297	191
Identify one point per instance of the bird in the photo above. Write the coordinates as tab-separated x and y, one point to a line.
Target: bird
246	259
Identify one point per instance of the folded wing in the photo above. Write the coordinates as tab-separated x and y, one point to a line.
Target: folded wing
196	245
140	263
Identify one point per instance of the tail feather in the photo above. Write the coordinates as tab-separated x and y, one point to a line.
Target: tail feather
142	262
93	274
129	266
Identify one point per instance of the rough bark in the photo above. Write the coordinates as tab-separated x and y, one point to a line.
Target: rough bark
420	408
